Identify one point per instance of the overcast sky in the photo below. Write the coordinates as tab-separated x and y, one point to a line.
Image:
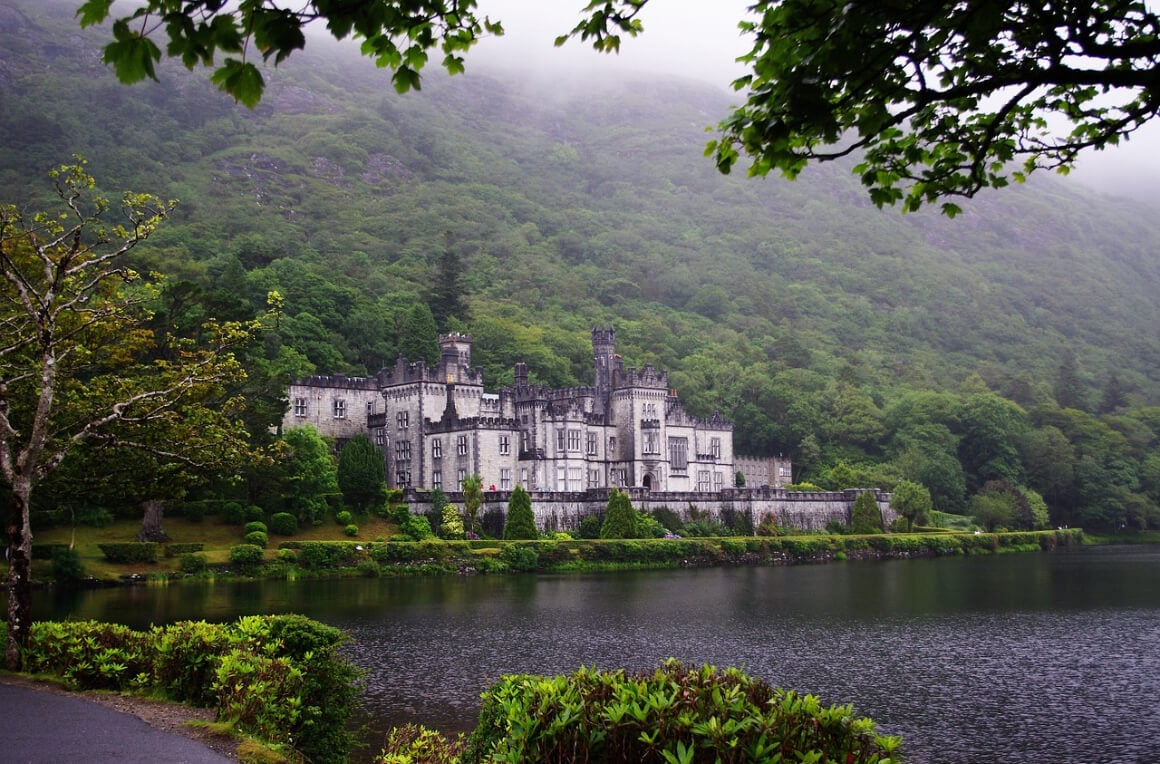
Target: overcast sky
699	39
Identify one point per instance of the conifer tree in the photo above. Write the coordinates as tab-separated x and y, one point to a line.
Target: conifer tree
419	338
362	474
866	517
521	522
619	518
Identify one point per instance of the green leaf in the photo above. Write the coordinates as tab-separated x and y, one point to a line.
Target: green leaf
131	55
240	79
93	12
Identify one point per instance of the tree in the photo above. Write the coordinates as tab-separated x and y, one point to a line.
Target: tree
311	474
866	517
451	525
912	501
79	366
938	99
619	518
472	499
418	337
521	522
447	292
362	474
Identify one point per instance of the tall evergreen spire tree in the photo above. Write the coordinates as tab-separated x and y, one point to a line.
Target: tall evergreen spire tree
419	339
362	474
521	521
447	293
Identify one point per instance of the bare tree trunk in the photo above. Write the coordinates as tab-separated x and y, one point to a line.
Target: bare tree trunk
151	529
19	575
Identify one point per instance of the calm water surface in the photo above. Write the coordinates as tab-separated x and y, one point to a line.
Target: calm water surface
1013	658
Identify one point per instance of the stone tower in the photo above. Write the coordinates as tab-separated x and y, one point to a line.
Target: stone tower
603	352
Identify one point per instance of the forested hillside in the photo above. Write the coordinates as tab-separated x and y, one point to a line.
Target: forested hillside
1016	346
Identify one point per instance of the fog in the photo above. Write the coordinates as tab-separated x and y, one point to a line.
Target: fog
700	40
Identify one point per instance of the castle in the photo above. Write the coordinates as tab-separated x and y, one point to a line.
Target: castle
437	426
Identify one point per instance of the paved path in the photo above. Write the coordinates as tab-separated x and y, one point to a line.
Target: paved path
50	728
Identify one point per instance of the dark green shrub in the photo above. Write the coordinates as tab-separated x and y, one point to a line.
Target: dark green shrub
233	513
94	517
668	518
520	558
369	569
590	527
415	528
284	524
186	657
257	538
343	518
352	529
177	550
322	555
246	554
838	528
253	514
288	555
130	551
67	568
255	525
673	714
705	529
194	511
193	563
46	551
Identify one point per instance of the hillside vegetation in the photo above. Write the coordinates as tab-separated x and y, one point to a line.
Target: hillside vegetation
1014	348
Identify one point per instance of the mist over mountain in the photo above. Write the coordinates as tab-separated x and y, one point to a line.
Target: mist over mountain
567	202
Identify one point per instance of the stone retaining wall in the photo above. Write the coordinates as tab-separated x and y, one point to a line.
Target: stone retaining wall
556	511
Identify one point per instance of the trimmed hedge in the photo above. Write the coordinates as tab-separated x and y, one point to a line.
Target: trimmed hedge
177	550
130	551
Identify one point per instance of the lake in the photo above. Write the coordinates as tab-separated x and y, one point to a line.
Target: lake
1034	657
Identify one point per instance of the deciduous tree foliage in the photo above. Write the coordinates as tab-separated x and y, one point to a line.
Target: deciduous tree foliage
939	99
78	366
311	474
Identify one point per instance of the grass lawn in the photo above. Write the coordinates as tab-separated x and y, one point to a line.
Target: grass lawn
214	534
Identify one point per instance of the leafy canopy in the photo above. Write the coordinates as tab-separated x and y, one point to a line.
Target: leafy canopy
939	99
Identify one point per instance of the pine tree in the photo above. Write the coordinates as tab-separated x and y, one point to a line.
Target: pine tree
619	518
866	517
447	293
419	339
362	474
521	522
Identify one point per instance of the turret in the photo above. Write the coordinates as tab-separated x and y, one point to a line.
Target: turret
603	353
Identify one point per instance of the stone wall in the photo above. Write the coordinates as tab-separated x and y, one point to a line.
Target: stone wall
557	511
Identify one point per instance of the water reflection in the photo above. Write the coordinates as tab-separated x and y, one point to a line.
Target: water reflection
1031	657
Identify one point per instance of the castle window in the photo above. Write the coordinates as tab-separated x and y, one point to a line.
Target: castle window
704	478
715	447
560	441
437	479
299	407
679	454
611	447
718	481
402	479
652	442
505	479
402	418
380	436
339	408
505	444
437	448
460	476
525	440
524	476
620	477
591	445
370	407
594	478
403	450
461	445
574	441
575	479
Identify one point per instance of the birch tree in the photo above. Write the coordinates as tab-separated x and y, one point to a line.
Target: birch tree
79	367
